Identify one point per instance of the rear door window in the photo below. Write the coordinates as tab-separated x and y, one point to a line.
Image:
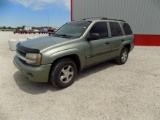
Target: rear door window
115	29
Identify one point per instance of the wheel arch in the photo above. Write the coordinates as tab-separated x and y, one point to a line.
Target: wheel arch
74	57
128	46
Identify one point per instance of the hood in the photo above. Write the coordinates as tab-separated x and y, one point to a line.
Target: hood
43	42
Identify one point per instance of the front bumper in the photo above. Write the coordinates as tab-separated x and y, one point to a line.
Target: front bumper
36	74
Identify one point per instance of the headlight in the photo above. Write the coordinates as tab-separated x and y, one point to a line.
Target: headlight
31	56
34	59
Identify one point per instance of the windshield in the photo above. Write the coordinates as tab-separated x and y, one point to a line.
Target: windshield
73	29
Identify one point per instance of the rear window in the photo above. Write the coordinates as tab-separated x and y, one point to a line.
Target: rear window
127	29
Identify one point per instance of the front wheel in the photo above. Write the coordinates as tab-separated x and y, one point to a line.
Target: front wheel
123	56
63	73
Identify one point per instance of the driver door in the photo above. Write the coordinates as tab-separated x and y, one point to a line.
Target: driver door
98	50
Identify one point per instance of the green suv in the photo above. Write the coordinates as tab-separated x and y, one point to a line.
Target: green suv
75	46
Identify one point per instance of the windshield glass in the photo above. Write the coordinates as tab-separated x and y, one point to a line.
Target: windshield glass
73	29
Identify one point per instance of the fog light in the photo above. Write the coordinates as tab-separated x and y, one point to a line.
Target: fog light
30	75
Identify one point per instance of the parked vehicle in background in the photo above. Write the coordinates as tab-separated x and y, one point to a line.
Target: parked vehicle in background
42	31
46	30
35	31
29	30
73	47
17	31
50	29
20	31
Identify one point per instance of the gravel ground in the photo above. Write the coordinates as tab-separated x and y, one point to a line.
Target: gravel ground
103	92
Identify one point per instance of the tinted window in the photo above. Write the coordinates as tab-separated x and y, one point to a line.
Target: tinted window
101	29
127	29
115	29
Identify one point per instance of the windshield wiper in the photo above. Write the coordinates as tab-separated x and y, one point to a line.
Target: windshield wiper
57	35
63	35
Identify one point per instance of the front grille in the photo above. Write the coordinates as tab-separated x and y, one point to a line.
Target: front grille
22	60
21	53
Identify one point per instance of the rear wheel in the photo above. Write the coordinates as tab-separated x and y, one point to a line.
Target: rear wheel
123	56
63	73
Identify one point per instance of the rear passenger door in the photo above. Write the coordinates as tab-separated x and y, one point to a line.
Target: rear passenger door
116	39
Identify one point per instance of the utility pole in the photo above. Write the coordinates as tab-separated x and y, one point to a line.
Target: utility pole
48	19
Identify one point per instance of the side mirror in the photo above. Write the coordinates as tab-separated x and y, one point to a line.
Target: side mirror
93	36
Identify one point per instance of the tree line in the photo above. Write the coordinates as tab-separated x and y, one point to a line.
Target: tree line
19	27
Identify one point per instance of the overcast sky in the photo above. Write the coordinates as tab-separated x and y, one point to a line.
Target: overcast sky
34	12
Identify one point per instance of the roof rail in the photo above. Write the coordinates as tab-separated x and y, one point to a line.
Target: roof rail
93	18
103	18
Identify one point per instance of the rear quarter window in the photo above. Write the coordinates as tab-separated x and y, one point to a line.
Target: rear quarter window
127	29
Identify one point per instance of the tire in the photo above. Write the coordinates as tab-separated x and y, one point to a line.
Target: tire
122	59
63	73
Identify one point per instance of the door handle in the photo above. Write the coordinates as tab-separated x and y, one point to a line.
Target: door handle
107	43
